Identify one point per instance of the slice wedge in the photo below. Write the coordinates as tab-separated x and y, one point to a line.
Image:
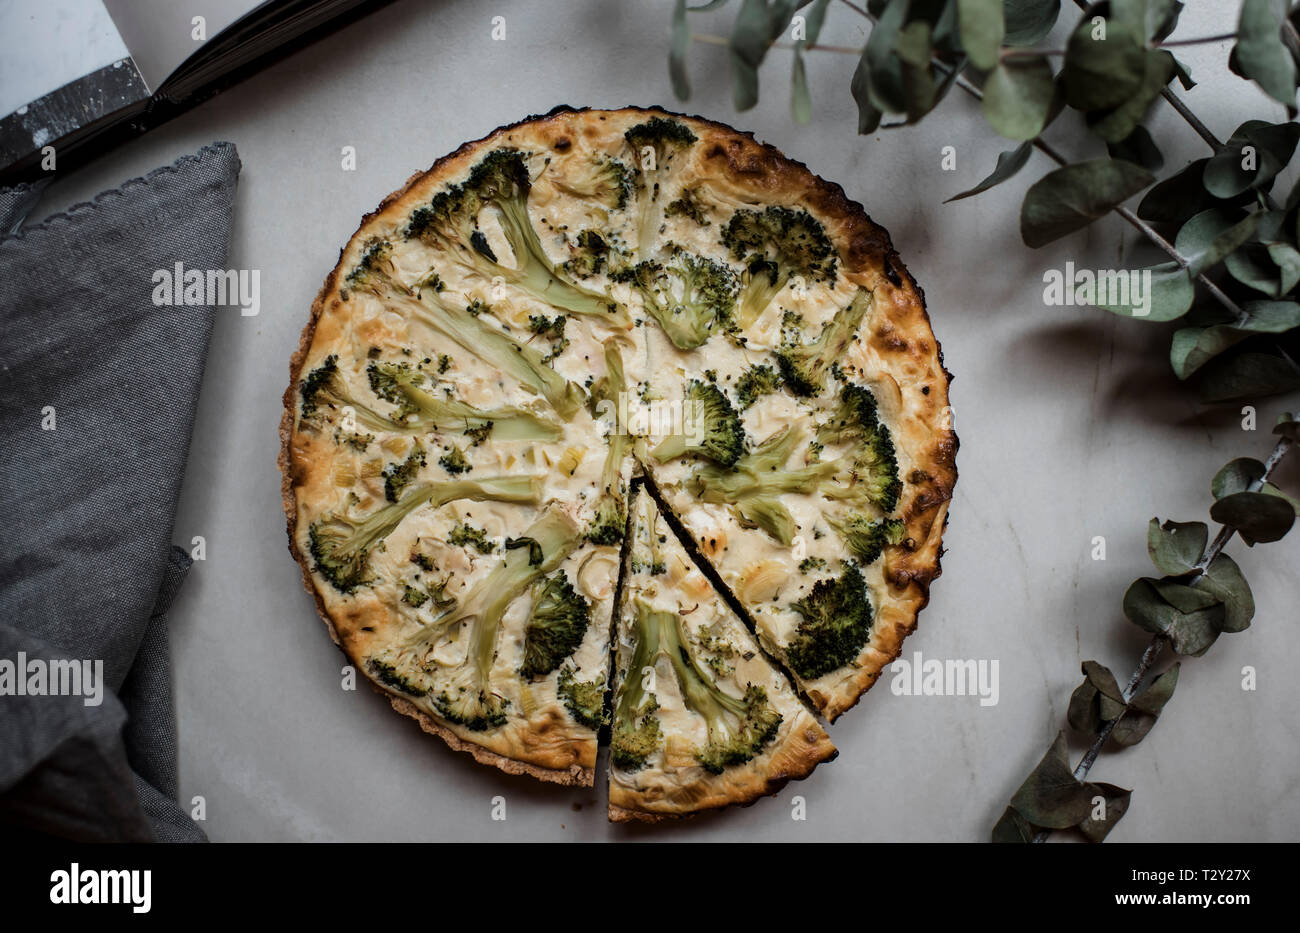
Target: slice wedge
701	719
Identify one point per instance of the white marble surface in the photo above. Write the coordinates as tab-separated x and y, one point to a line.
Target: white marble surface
1071	426
44	44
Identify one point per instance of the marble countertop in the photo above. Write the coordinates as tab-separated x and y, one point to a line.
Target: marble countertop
1071	424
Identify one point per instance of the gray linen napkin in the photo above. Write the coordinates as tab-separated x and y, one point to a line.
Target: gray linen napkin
87	564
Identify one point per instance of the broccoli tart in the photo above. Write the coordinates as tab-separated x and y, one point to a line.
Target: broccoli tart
610	395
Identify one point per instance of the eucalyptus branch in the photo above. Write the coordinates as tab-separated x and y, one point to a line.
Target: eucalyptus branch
1169	44
1158	642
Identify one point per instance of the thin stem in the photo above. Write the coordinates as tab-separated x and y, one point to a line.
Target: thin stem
1174	43
1158	642
789	46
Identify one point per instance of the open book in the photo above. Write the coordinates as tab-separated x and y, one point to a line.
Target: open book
80	76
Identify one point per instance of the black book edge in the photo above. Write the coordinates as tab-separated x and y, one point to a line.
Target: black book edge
108	107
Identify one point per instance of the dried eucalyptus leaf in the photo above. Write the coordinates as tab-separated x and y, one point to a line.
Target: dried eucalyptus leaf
1029	21
1189	633
1018	97
1224	579
680	45
1257	516
920	91
1114	808
1177	198
1175	547
1211	235
1236	476
1051	796
1287	426
1246	376
1102	73
1184	598
800	98
1013	828
982	30
1144	709
1193	347
1171	295
1116	124
868	115
1287	258
1009	163
1084	713
1073	196
748	46
1260	54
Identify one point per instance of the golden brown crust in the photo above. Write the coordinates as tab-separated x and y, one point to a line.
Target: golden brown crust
803	747
900	341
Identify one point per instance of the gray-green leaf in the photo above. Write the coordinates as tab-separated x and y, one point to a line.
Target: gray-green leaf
1101	74
1189	633
1018	97
1009	163
1117	800
1029	21
1260	53
1175	547
982	30
1073	196
1257	516
1051	796
1171	295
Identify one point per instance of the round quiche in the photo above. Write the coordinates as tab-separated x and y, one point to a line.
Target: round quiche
619	427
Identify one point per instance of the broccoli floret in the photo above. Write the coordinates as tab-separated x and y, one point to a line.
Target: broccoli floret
423	561
855	422
559	620
553	330
836	624
775	245
865	477
585	701
866	538
397	476
414	597
466	535
461	689
388	675
689	205
717	432
489	343
853	419
690	296
418	411
803	366
454	462
653	145
340	545
760	380
738	727
809	564
450	224
609	524
598	178
590	255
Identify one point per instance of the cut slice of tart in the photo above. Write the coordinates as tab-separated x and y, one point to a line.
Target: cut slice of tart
701	719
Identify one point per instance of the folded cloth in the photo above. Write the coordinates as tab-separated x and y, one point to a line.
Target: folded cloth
98	387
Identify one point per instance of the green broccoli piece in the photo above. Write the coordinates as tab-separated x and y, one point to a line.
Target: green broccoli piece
462	689
836	623
454	462
450	224
397	476
690	296
653	144
760	380
388	675
585	701
717	435
599	178
590	255
341	545
775	245
738	727
649	559
466	535
559	620
498	349
413	597
418	411
803	366
809	564
609	525
866	538
865	477
553	330
688	205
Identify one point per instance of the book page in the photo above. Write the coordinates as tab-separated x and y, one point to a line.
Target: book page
161	34
49	44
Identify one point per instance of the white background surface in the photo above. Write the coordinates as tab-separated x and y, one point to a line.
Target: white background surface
1071	426
44	44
